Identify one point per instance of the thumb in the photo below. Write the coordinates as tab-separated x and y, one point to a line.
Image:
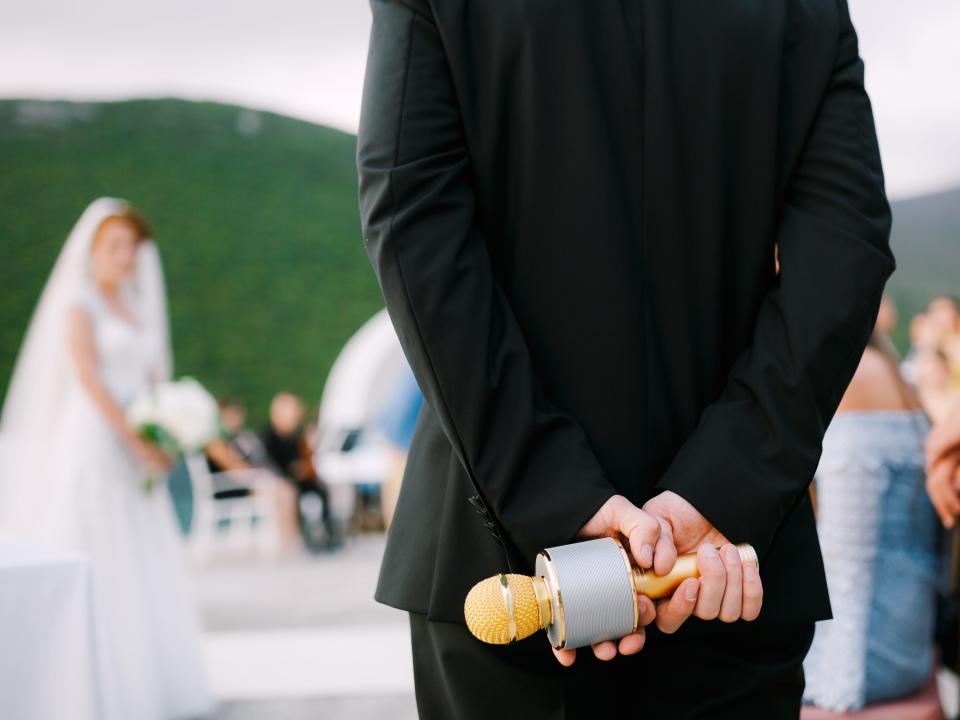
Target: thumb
642	531
665	552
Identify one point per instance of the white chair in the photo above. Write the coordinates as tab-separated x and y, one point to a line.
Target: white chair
365	463
249	522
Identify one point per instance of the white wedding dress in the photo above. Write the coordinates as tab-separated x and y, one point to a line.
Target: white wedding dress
91	497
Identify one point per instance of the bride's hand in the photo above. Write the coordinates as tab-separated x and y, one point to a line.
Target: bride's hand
152	455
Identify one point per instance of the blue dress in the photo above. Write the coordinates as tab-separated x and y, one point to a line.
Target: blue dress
882	550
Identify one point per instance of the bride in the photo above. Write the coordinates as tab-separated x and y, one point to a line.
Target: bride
74	471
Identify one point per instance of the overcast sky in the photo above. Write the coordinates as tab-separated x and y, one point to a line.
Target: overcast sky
305	58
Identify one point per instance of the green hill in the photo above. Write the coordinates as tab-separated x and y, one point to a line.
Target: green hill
255	215
926	243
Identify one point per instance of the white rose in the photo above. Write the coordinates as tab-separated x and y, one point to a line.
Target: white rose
182	408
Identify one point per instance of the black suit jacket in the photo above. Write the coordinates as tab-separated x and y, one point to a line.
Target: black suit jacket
573	209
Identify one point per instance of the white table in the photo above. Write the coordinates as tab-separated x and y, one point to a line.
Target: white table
48	663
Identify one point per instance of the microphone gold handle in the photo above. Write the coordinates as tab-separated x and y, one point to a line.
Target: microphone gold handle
656	586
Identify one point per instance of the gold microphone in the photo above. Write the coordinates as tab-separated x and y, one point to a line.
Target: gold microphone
582	593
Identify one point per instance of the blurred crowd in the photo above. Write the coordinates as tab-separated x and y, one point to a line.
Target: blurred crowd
932	364
319	481
887	497
284	449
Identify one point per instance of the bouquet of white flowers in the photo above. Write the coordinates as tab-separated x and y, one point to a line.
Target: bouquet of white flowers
178	416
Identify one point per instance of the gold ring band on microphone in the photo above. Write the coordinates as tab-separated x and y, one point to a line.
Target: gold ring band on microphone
636	598
508	603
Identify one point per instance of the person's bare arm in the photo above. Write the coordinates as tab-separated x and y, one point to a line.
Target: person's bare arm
225	456
83	355
944	439
943	467
942	482
876	386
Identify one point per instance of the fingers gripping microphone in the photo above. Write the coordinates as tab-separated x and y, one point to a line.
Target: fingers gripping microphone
583	593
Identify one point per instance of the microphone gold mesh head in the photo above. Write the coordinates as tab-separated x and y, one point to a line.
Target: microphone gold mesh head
491	604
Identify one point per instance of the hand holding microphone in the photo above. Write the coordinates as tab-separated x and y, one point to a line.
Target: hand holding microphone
594	592
647	540
727	589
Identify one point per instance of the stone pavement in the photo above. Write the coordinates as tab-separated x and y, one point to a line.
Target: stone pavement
304	639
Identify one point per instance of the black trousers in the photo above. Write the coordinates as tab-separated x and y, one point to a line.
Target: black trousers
754	672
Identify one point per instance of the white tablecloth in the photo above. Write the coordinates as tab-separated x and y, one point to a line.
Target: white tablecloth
48	664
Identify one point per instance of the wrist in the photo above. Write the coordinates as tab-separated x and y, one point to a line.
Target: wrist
129	435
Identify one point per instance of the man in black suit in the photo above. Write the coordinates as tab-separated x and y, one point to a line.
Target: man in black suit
573	208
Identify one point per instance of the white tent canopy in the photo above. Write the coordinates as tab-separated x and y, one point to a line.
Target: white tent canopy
361	381
364	373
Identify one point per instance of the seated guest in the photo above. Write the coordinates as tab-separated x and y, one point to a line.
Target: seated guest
881	542
938	393
289	453
239	450
944	313
237	443
924	338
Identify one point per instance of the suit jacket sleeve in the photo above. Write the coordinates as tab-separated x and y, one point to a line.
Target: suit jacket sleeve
756	448
531	464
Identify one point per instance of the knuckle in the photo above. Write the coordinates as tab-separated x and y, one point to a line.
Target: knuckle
650	524
707	613
713	570
729	616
